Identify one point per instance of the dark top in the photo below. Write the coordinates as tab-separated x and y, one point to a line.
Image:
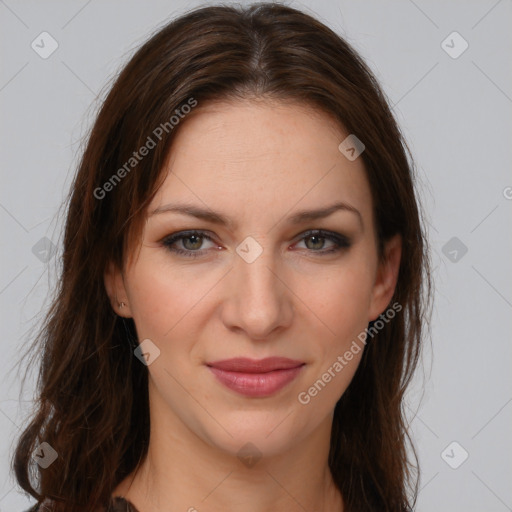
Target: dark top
116	505
119	504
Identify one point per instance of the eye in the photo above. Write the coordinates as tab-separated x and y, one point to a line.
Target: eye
191	242
316	239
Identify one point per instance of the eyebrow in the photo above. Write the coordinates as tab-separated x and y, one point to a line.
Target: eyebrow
217	218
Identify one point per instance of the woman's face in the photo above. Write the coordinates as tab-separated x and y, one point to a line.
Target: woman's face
253	282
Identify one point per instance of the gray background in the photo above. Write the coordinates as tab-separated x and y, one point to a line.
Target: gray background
456	115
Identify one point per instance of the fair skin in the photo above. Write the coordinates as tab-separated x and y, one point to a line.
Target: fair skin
240	159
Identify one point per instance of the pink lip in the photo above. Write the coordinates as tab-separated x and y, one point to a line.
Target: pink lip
256	378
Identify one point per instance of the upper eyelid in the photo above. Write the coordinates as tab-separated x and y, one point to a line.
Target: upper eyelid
180	235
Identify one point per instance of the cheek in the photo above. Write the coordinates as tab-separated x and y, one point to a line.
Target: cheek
342	299
163	299
342	306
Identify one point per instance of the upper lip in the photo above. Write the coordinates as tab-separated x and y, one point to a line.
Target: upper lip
246	365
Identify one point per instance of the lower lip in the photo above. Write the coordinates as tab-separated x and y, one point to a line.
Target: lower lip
256	384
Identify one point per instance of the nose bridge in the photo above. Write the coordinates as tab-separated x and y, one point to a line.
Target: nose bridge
259	299
258	277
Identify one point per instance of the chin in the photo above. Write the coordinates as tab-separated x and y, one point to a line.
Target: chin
255	433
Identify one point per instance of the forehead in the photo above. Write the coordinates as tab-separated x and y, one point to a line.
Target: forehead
252	157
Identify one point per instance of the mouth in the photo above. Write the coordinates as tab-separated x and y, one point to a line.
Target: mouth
256	378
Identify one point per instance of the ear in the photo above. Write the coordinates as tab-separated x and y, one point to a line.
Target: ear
386	278
116	291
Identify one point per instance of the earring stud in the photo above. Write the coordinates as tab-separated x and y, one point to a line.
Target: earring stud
121	304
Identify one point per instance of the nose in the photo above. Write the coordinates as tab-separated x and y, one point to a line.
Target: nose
258	301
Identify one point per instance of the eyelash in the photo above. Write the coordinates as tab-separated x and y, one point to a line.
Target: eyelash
341	242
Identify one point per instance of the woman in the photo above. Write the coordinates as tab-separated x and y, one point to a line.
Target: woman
244	285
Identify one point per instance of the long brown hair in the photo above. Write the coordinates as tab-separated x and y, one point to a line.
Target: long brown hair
92	392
